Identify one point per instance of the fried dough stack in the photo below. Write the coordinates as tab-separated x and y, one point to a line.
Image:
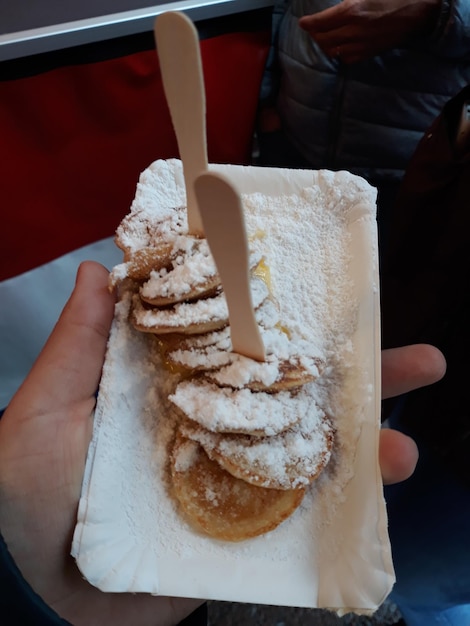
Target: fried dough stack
249	436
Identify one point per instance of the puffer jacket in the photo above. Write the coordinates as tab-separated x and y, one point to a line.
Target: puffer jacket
367	117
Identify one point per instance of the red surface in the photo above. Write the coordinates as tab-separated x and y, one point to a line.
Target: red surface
74	140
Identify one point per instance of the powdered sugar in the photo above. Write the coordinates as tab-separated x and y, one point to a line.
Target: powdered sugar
237	370
219	341
184	314
288	460
185	457
192	264
157	212
222	409
313	303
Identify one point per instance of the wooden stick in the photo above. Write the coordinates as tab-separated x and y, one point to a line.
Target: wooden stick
179	54
224	225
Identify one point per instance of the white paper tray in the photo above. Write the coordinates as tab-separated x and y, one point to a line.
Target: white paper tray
334	551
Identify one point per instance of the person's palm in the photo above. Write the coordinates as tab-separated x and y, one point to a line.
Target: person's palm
44	436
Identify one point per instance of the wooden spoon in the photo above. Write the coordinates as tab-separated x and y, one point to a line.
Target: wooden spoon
178	50
221	211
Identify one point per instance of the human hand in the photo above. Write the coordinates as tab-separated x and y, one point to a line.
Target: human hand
44	437
354	30
405	369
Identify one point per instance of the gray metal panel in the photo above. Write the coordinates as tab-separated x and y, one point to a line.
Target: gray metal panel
31	26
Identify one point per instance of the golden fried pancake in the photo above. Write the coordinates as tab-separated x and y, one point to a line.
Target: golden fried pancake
189	274
226	410
138	230
138	265
221	505
204	289
289	363
288	460
184	317
269	376
200	316
219	340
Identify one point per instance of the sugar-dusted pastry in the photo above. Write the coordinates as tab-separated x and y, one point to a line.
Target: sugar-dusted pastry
290	459
189	316
189	273
221	505
250	434
288	364
227	410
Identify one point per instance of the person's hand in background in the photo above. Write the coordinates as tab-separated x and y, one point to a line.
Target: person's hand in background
405	369
44	437
354	30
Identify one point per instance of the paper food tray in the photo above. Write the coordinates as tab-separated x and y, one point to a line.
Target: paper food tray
334	550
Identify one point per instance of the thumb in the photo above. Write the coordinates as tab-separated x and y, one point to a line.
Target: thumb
69	367
398	456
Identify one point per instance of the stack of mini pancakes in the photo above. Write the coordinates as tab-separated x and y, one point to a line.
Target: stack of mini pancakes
250	436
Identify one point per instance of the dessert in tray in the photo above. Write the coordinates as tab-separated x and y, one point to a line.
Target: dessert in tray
158	439
249	436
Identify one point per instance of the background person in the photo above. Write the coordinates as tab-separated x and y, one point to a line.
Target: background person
353	85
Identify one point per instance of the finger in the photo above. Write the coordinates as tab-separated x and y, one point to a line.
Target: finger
398	455
338	37
331	42
410	367
350	43
348	50
329	19
69	367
